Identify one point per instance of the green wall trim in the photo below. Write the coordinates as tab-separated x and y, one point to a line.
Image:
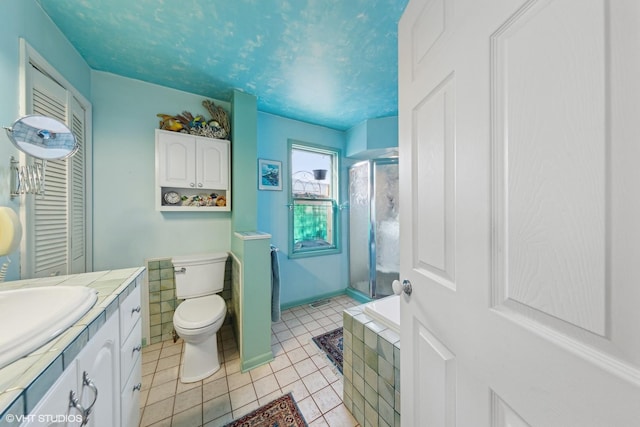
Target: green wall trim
358	296
254	362
315	298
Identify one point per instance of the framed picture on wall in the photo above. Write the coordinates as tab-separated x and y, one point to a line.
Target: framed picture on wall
269	174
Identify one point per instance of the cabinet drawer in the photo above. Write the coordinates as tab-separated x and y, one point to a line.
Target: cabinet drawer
130	313
130	353
130	398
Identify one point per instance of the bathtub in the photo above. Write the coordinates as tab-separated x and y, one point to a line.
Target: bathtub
386	311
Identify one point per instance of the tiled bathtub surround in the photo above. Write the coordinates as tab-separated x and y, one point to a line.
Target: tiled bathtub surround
371	370
162	297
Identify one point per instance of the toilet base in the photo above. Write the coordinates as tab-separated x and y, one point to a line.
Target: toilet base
200	360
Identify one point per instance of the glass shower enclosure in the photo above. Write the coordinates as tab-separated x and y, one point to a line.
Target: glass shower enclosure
374	227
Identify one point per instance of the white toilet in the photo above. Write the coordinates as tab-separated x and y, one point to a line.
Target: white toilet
199	317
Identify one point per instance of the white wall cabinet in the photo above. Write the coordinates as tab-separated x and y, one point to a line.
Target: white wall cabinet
195	168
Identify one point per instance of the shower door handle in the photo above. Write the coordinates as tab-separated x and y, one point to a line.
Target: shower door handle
405	287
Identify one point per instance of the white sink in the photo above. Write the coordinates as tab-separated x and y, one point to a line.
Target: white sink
31	317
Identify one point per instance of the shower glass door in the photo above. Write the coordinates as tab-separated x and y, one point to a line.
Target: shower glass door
373	227
359	228
385	219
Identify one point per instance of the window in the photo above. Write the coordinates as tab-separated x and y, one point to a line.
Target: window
313	218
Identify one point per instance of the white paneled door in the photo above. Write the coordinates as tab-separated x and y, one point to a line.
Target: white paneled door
520	220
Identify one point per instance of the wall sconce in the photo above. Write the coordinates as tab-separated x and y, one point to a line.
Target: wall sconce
42	138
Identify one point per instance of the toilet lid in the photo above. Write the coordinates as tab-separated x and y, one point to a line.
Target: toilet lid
200	312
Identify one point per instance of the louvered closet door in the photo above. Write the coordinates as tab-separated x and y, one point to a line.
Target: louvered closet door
48	228
77	204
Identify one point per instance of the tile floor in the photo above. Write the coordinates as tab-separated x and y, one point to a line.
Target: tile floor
299	367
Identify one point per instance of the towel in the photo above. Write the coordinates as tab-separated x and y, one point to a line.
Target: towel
275	285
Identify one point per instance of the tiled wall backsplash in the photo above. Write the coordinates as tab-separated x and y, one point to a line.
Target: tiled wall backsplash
162	297
371	370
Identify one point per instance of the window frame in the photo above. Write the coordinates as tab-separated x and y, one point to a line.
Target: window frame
334	199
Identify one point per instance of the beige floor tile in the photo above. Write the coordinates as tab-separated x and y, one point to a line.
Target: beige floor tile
221	421
168	362
156	412
161	377
216	408
340	416
240	412
170	350
305	367
266	385
162	392
192	417
260	372
309	409
290	344
297	389
182	387
214	389
269	397
286	376
320	422
238	380
149	368
314	382
297	354
326	399
242	396
299	367
152	347
280	362
187	400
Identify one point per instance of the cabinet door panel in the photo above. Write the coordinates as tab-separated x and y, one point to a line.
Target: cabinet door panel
101	360
212	164
176	157
54	406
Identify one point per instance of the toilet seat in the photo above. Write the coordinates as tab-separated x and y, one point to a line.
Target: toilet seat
198	313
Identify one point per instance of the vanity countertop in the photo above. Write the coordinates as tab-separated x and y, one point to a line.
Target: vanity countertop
33	374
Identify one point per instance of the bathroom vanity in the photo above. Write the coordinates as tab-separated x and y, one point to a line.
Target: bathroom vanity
90	371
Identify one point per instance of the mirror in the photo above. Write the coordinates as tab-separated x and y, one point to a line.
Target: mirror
42	137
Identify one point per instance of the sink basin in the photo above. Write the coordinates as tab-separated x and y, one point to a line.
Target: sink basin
31	317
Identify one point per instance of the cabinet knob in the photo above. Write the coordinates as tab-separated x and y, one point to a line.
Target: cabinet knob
136	310
200	184
86	381
137	387
136	348
192	184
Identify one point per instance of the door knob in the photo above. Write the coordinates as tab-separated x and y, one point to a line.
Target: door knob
400	288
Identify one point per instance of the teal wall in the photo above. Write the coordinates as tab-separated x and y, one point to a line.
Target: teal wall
243	158
25	18
302	279
372	138
127	227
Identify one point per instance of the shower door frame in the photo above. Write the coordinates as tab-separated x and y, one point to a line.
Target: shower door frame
372	221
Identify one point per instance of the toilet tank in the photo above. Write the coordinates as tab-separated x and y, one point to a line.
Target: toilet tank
198	275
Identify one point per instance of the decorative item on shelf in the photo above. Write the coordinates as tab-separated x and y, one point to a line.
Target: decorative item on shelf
172	198
212	199
218	127
219	118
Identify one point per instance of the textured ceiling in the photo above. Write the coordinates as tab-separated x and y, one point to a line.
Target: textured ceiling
327	62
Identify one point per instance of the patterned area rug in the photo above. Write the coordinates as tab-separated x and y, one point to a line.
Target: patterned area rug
332	344
282	412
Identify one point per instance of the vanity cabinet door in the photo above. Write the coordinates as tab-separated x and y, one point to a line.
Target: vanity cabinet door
100	359
176	160
53	409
